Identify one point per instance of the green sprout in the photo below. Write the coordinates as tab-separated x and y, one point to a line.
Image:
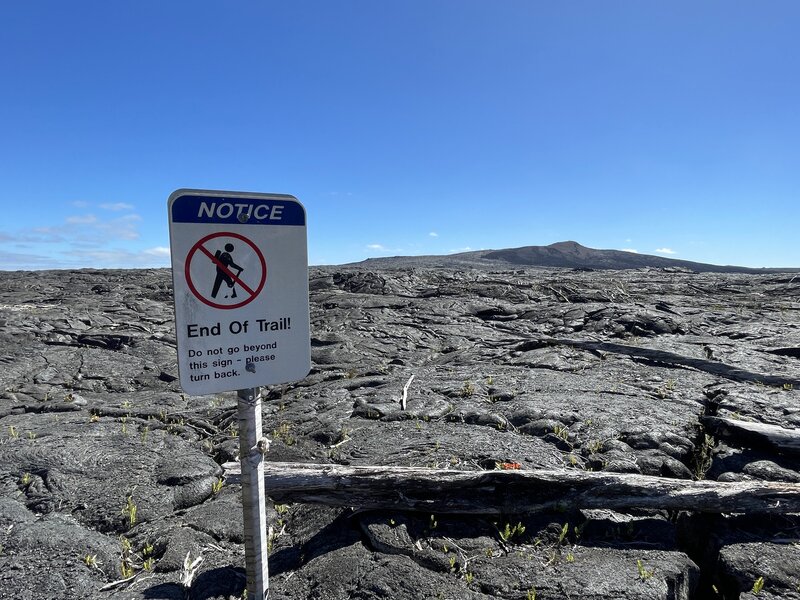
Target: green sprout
758	585
509	532
644	574
129	510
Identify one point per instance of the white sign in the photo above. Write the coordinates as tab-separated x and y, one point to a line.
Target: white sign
240	276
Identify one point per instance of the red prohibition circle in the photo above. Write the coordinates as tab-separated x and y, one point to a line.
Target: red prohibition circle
199	246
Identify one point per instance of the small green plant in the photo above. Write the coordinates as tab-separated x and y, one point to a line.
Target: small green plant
452	561
788	387
578	530
145	431
468	577
148	549
570	557
594	446
433	523
129	511
216	486
531	595
281	509
125	569
562	432
148	564
563	535
644	574
490	380
509	532
758	585
90	560
126	564
283	433
12	432
31	436
704	457
468	389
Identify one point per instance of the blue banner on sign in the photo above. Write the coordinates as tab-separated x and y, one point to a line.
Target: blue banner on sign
250	211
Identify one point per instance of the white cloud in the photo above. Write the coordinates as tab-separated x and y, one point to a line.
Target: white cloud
116	206
630	250
124	227
379	247
157	251
457	250
83	240
80	204
665	251
433	234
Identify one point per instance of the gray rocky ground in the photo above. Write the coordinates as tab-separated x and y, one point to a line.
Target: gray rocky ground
109	471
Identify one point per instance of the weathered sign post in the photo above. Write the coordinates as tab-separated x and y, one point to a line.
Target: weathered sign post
240	276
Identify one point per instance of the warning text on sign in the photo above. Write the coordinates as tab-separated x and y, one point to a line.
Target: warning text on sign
193	330
225	361
228	361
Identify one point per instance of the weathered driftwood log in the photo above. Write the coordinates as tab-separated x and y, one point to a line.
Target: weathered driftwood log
508	492
759	435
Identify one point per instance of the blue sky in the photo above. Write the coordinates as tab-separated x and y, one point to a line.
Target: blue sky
409	127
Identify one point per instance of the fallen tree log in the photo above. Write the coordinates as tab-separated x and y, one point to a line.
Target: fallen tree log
513	491
757	435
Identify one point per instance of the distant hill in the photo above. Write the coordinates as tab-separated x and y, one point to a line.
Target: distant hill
559	255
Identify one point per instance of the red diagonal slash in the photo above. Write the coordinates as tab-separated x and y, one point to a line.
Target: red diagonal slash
226	270
234	278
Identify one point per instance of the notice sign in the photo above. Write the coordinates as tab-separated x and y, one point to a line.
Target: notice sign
240	275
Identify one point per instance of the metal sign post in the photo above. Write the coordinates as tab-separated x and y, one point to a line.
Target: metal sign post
254	501
240	275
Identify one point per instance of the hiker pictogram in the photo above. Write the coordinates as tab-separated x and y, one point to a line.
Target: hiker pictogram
225	260
216	266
